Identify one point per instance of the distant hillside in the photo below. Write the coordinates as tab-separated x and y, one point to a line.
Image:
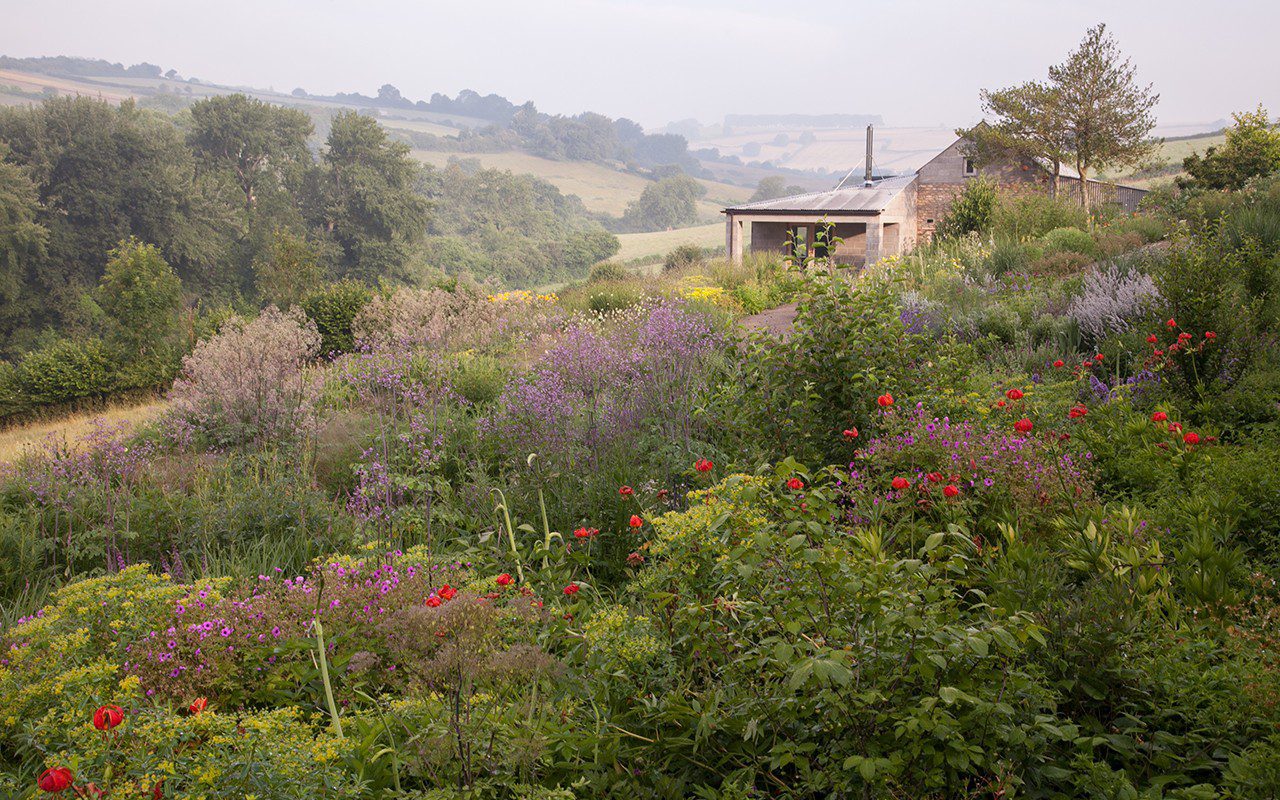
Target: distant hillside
1166	165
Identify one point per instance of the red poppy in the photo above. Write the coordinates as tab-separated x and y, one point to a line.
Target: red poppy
795	484
1014	394
1000	404
504	579
1159	352
585	533
1023	425
636	522
571	589
950	490
1171	324
1159	416
1175	427
55	780
1059	363
626	491
1191	438
1184	336
900	483
703	465
198	705
1077	411
107	717
447	592
1152	339
851	434
934	477
433	602
1098	357
885	400
1086	364
1210	335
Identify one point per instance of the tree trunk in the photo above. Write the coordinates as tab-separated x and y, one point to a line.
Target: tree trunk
1081	170
1057	177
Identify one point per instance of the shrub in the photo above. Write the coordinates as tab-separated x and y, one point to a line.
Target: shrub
333	309
63	372
250	383
1011	256
1030	216
973	211
1069	240
607	271
684	256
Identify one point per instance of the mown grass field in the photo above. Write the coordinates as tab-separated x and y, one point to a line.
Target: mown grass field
659	243
14	441
602	189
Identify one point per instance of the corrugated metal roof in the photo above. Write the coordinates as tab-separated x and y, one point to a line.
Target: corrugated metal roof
856	199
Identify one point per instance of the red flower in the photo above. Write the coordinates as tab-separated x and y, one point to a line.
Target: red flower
433	602
198	705
107	717
1014	394
1175	427
1191	438
851	434
1184	336
950	490
1210	335
1159	352
571	589
585	533
885	400
636	522
795	484
703	465
447	592
900	483
1077	411
1171	324
1059	363
626	491
1098	357
504	579
1000	404
634	559
55	780
1023	425
1152	339
1159	416
934	477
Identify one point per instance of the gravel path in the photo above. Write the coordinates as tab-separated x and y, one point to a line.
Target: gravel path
776	320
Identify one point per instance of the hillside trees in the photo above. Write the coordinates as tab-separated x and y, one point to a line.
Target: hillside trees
22	242
771	187
668	203
102	174
367	203
257	143
1252	149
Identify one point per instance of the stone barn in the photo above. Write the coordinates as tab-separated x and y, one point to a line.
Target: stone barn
886	216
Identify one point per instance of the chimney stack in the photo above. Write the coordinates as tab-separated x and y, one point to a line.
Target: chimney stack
870	139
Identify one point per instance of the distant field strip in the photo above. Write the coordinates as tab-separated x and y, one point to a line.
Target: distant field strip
659	243
16	440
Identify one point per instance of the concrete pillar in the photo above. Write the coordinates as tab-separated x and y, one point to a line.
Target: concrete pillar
733	238
875	240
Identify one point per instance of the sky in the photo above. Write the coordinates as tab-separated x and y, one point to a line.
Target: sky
915	62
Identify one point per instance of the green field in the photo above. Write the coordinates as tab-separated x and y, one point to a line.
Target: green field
659	243
602	189
1171	153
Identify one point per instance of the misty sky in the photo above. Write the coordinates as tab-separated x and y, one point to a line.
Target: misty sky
916	62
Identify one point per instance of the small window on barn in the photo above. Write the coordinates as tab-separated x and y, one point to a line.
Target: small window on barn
929	221
969	167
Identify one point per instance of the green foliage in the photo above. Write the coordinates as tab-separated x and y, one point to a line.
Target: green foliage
973	211
288	270
1069	240
140	295
607	271
772	187
683	257
666	203
333	308
1252	150
1031	216
63	372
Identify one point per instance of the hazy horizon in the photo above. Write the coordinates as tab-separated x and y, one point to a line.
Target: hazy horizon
916	63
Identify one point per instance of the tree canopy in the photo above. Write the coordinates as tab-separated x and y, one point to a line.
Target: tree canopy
1252	150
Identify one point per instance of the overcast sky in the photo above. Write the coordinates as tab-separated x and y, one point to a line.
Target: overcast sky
916	62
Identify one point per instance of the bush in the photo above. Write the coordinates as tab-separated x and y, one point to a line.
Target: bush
63	372
1114	296
249	383
333	310
1009	255
1031	216
973	211
686	255
607	271
1069	240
